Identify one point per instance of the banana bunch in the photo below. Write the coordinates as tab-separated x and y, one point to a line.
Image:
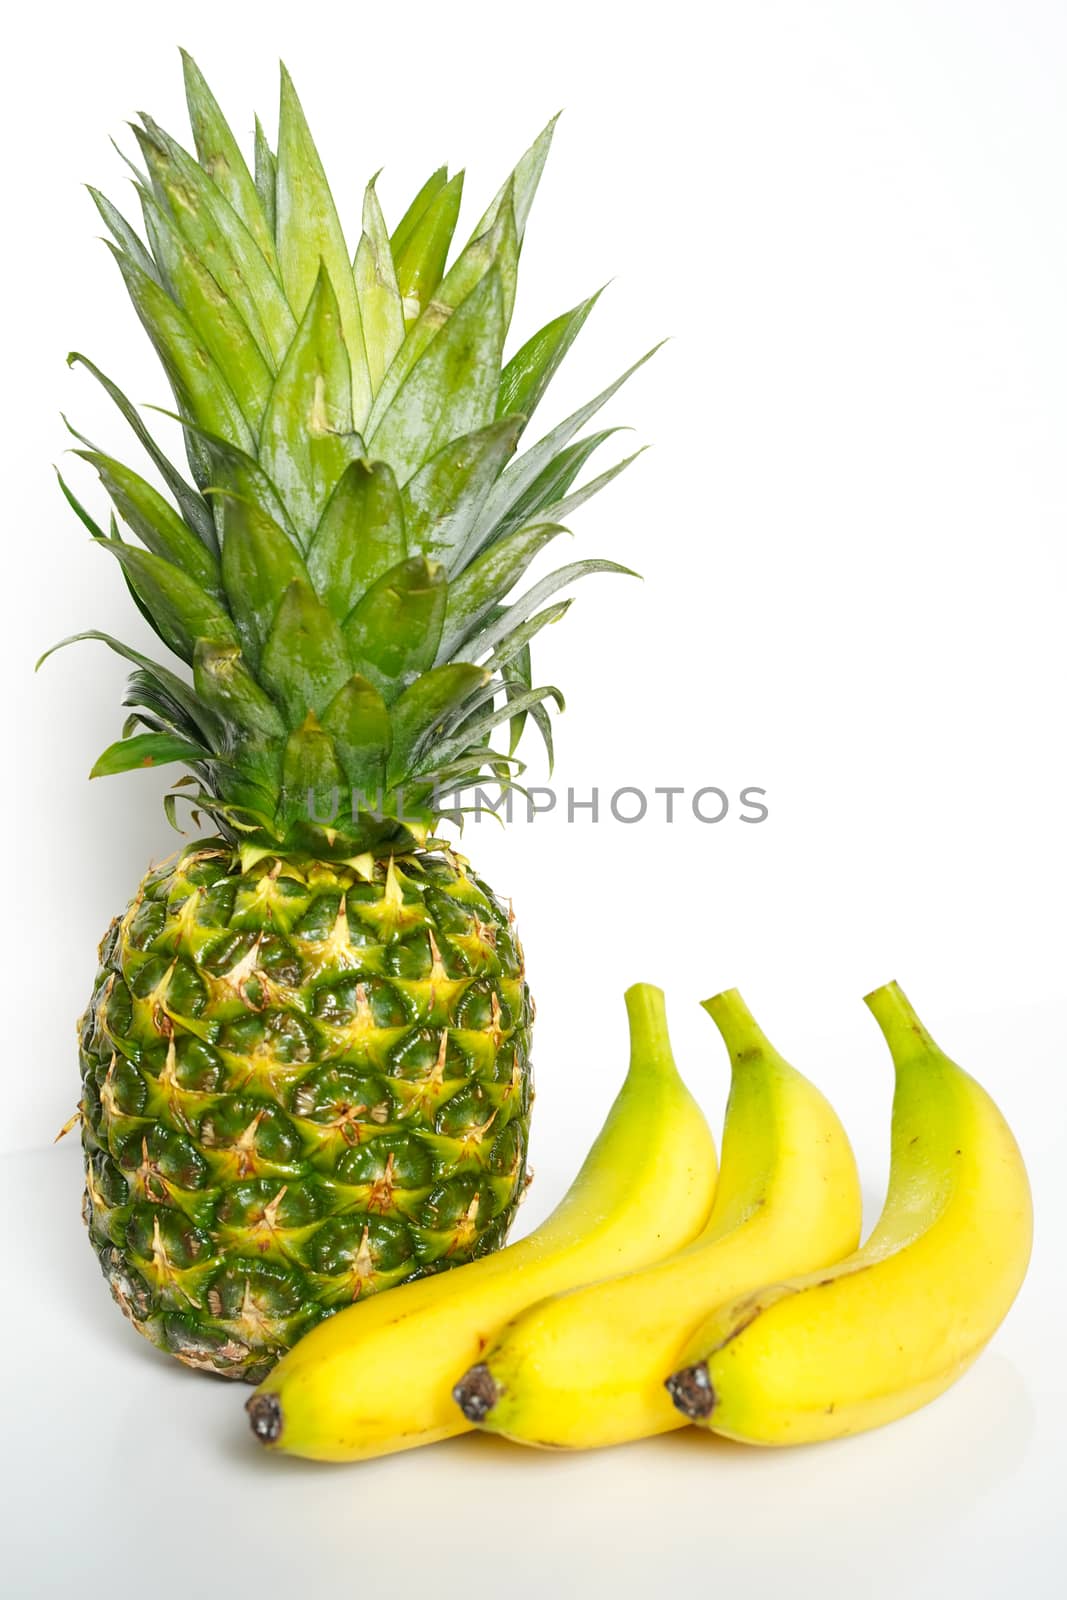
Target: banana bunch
660	1293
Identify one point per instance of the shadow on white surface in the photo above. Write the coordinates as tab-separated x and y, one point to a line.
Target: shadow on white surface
106	1434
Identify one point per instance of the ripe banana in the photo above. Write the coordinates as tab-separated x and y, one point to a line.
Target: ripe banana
586	1368
378	1377
896	1323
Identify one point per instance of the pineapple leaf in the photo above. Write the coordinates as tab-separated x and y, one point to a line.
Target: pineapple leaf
154	521
392	634
198	384
78	509
258	564
310	237
452	388
308	439
415	211
179	691
533	462
498	247
145	750
420	259
217	321
311	777
221	157
304	661
547	495
218	237
144	689
512	643
361	535
481	726
474	593
224	683
236	471
359	725
193	507
521	667
380	306
522	184
572	502
177	607
124	234
527	375
494	632
420	710
443	499
266	178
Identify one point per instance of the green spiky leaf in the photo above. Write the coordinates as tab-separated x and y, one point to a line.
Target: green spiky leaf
452	389
423	707
308	437
193	508
124	234
154	521
145	750
359	724
312	779
361	536
473	594
198	384
221	158
310	238
421	255
218	237
531	369
392	634
415	211
304	661
266	179
259	563
442	501
179	610
380	306
220	326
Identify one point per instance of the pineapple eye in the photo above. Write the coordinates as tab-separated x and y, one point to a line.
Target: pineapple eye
147	925
254	1293
359	1244
164	1237
400	1159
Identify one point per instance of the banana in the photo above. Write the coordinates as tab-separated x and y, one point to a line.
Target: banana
891	1327
586	1368
378	1377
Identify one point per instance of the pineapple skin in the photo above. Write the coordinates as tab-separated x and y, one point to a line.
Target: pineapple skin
302	1083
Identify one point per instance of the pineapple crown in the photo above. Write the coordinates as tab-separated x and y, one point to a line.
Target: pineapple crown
338	576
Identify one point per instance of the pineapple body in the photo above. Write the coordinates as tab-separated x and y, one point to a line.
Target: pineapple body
305	1065
303	1083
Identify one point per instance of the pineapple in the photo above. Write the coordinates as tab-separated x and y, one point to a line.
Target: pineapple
306	1061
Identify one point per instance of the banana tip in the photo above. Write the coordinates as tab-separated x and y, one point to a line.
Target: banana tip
690	1389
476	1393
265	1417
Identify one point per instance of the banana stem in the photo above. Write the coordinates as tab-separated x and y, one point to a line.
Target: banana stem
896	1016
741	1033
650	1043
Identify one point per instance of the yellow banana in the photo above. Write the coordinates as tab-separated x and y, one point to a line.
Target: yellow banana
378	1377
896	1323
586	1368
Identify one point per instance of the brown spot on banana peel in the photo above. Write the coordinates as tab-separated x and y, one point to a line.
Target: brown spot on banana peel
690	1389
476	1393
265	1417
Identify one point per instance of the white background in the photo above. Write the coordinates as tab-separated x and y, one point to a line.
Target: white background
852	219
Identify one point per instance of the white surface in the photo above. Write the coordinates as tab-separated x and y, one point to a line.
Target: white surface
126	1474
853	220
